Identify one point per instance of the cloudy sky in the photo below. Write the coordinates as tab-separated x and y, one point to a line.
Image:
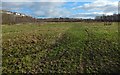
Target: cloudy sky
62	8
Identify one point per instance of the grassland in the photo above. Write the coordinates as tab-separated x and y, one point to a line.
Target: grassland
60	48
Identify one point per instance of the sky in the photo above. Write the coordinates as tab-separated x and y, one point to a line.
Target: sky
62	8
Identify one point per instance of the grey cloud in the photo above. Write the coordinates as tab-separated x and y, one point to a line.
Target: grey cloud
46	9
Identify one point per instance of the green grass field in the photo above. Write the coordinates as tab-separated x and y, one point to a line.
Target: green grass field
60	48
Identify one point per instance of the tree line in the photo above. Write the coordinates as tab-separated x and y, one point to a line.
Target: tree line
108	18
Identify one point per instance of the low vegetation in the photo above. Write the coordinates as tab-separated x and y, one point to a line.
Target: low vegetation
60	48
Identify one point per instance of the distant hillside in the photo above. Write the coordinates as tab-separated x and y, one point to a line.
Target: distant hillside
9	17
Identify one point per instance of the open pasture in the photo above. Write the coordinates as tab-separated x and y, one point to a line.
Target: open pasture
71	47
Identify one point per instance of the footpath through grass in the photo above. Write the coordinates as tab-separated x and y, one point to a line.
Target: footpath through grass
61	48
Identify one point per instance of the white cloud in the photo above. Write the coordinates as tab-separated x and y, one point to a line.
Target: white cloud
53	8
51	0
39	9
89	15
50	9
99	5
97	8
47	0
